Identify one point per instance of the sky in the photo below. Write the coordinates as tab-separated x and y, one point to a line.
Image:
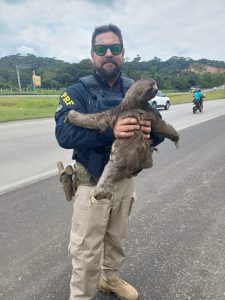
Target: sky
151	28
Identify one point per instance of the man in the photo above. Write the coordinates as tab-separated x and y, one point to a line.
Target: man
99	230
198	97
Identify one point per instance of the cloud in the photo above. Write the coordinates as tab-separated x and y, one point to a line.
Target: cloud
63	29
23	50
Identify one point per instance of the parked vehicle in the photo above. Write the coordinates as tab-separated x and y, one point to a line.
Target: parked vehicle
160	101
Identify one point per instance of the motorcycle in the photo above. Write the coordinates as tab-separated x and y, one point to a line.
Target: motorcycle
197	105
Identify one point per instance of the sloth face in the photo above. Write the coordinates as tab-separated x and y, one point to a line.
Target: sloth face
144	90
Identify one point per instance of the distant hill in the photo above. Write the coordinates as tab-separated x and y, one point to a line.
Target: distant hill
176	73
199	68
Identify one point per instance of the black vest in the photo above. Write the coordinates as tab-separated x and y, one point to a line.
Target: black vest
100	99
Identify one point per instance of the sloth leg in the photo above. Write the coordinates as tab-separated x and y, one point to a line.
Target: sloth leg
161	127
104	188
112	173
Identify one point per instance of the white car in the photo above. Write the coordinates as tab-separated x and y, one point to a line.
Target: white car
160	101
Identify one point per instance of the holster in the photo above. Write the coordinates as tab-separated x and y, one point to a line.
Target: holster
68	179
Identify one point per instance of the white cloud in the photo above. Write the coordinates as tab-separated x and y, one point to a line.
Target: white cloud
23	50
62	29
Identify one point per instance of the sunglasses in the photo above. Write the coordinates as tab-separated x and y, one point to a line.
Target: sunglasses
115	49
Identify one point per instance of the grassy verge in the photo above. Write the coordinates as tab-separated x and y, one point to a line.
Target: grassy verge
18	108
179	98
30	92
33	107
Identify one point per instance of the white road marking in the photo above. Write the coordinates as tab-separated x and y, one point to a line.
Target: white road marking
27	181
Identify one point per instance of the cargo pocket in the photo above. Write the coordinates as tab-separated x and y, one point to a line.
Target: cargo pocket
132	200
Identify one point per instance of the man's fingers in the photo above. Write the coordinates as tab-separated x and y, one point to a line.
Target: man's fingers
145	123
145	129
127	126
130	127
126	134
127	121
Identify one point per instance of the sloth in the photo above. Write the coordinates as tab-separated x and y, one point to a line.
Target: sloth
128	155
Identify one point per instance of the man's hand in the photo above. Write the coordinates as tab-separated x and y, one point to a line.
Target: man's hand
126	127
146	128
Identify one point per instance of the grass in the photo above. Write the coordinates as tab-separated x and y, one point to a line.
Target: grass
33	107
179	98
30	92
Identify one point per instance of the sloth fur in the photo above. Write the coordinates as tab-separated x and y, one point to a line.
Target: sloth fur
128	155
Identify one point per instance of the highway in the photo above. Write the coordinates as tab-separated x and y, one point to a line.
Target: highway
175	248
29	150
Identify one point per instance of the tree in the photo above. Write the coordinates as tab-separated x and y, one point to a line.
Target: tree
137	58
173	73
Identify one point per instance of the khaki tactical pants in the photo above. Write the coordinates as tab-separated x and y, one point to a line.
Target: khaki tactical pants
97	237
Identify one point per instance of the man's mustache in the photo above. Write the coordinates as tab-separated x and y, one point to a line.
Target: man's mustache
109	60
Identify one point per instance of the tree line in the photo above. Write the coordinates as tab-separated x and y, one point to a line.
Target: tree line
172	74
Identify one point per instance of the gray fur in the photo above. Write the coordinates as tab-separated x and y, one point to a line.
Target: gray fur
128	155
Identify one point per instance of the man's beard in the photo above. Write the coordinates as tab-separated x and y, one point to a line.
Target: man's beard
109	73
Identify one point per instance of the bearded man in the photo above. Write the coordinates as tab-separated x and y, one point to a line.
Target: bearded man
99	229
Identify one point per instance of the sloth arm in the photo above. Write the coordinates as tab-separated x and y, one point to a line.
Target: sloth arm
70	136
99	121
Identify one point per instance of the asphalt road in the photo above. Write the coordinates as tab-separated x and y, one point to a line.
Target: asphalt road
29	150
176	243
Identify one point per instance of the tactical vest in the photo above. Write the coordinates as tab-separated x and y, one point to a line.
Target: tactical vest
99	99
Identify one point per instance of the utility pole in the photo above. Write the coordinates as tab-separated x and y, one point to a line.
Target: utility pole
18	77
18	73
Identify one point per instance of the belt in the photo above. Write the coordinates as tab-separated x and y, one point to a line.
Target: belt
83	175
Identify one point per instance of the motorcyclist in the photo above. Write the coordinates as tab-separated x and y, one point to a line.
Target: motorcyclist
198	98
